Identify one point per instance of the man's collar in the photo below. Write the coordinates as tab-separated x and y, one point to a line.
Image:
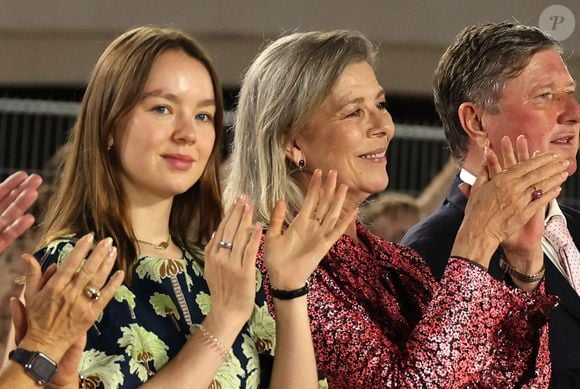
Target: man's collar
553	207
467	177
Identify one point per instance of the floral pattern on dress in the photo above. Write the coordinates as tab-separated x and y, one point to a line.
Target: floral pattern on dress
146	324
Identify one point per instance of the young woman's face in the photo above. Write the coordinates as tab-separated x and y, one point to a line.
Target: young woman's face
166	139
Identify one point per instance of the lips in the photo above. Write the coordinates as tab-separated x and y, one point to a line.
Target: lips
563	140
178	161
375	154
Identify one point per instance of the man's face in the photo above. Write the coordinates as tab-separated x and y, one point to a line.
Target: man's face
539	104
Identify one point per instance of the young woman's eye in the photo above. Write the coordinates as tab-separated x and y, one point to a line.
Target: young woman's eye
204	117
382	105
162	109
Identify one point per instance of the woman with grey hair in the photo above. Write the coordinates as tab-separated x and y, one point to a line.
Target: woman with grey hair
310	105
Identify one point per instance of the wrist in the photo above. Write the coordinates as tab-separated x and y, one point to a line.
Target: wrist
477	248
290	294
52	350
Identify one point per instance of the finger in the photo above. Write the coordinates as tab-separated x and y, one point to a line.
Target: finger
17	208
48	273
336	205
87	271
108	291
540	174
550	183
243	233
523	153
104	270
312	195
69	268
532	164
30	184
18	227
327	195
507	152
233	223
251	250
491	161
18	312
9	184
277	219
33	276
343	223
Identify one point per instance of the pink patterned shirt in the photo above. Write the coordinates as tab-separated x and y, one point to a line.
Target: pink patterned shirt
379	319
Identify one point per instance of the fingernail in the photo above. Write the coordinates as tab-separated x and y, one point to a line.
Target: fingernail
566	163
535	153
212	235
89	237
485	150
520	136
247	207
108	242
112	251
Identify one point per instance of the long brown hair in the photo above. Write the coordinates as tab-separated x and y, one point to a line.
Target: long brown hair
89	196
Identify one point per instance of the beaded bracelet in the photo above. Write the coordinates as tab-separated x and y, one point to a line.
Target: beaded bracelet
223	350
509	269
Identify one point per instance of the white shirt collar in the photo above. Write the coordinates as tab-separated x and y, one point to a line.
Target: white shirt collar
467	177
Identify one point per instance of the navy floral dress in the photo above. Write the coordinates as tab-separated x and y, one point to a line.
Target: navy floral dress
146	324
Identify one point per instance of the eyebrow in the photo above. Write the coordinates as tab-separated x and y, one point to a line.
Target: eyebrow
360	99
173	97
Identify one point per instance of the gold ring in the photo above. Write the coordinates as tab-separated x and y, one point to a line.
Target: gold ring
92	293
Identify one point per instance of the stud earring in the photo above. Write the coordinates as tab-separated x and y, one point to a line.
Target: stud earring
301	165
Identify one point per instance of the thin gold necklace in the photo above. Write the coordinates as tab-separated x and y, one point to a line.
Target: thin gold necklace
158	246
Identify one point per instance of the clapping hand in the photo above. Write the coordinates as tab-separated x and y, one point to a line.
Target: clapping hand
17	193
292	255
502	201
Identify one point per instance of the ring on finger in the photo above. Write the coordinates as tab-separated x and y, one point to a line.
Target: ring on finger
225	245
536	194
92	293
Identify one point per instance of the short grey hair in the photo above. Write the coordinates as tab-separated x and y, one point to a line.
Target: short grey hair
284	86
475	68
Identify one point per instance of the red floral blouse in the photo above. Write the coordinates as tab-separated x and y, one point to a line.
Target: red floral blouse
379	319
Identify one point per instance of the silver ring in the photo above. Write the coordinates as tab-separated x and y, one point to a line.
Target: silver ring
225	245
92	293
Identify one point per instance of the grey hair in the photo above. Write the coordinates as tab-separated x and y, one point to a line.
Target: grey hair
282	89
475	69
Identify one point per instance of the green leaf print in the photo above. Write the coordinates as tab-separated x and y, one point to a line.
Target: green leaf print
263	329
229	374
164	306
322	384
125	294
98	367
258	279
253	365
203	301
143	347
199	254
157	269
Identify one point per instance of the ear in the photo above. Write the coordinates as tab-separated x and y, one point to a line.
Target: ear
470	116
293	152
110	141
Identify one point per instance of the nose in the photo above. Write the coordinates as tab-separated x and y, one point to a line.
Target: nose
381	125
571	112
185	131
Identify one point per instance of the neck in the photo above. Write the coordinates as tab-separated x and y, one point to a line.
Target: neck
150	220
472	162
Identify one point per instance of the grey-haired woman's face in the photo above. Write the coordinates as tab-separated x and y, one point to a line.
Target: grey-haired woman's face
350	133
